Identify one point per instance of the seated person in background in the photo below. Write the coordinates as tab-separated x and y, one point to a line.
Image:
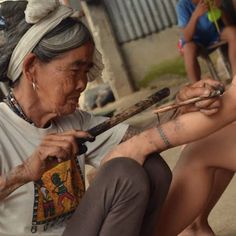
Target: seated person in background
198	31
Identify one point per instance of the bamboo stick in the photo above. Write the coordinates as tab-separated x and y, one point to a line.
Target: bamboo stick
166	108
211	8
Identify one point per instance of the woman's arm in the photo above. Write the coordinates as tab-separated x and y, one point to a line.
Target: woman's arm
183	129
53	149
13	180
189	30
202	88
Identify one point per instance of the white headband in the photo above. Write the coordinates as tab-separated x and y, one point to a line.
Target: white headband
45	15
31	38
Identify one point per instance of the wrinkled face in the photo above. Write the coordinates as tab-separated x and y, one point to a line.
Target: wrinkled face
61	81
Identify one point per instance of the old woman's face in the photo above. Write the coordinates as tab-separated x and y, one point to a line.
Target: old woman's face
61	81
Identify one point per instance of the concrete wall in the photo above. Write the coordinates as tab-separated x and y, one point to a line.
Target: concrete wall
141	54
128	63
115	72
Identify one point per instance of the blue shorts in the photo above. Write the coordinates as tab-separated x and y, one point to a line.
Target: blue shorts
198	41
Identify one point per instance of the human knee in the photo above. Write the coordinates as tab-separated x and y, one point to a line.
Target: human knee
130	172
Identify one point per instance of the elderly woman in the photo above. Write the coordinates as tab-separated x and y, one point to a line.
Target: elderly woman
47	59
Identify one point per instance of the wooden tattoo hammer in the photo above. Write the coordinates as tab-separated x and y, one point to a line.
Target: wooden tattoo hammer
124	115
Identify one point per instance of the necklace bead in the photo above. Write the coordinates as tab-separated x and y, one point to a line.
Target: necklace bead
11	101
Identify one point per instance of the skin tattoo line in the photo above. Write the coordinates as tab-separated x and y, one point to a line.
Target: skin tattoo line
163	137
11	181
131	131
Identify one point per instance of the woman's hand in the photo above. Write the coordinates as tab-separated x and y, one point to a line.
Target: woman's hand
202	88
201	9
218	3
54	148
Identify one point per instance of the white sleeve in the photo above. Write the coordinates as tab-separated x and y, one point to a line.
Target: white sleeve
104	143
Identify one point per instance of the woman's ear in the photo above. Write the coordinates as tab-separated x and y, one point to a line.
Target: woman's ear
29	67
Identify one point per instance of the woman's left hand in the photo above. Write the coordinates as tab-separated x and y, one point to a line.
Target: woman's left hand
202	88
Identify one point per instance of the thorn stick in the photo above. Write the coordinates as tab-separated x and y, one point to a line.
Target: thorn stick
186	102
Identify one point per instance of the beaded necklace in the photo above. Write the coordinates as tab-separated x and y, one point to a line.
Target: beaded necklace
11	101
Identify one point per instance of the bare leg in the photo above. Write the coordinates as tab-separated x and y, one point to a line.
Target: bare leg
191	63
193	178
229	35
201	227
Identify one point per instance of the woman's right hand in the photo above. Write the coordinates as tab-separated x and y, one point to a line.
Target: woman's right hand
53	149
201	9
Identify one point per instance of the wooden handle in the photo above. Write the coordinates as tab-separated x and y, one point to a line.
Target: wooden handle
166	108
129	112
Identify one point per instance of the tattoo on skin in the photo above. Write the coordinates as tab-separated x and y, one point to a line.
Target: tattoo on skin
131	131
150	141
176	113
178	125
11	181
163	137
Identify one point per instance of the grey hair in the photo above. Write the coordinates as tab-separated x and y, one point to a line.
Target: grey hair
69	34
